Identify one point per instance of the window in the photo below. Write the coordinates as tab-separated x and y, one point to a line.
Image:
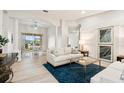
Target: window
32	41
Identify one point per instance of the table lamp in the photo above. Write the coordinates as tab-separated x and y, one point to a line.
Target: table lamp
81	43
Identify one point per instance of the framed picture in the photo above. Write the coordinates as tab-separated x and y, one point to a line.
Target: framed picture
105	52
105	45
106	35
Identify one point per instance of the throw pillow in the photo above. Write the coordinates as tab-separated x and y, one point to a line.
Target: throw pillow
122	75
122	60
68	50
54	52
75	51
58	52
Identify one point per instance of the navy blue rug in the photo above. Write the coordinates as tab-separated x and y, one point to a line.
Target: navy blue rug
73	73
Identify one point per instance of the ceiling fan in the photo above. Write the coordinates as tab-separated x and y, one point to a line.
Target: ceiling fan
35	25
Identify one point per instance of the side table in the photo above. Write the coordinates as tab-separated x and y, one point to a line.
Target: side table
120	57
84	52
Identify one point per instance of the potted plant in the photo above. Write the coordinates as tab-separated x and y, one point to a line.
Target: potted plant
3	41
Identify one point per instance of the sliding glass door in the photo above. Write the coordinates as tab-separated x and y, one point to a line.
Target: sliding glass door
31	42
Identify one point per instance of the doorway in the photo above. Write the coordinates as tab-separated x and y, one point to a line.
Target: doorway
31	44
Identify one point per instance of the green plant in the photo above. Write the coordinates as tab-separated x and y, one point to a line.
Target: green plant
3	41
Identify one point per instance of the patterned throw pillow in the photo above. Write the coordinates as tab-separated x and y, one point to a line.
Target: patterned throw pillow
54	52
58	52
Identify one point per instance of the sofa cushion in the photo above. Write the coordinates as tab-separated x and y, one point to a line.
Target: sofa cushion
58	52
67	50
62	58
117	65
109	75
100	77
75	51
76	56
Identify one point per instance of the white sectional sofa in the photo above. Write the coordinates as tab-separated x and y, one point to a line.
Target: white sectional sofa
57	57
110	75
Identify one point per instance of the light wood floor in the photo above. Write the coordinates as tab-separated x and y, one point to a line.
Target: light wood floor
31	70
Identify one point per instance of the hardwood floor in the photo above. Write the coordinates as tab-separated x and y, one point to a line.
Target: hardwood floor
31	70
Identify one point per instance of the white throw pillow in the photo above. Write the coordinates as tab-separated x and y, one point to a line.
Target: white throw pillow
58	52
68	50
122	60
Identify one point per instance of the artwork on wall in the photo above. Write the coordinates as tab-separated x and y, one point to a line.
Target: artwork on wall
105	52
106	43
105	35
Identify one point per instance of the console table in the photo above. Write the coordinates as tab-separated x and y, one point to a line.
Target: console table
6	73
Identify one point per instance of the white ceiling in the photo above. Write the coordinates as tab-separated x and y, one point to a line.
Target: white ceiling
52	16
72	14
31	22
63	14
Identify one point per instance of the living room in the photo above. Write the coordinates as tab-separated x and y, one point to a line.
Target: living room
38	34
69	46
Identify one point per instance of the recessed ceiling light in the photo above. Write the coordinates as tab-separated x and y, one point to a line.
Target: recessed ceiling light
83	12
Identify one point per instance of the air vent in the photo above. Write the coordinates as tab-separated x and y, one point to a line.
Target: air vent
45	11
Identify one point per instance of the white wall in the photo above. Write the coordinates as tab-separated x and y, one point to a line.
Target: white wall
59	37
64	33
51	37
1	21
9	28
89	30
7	31
121	40
102	20
90	38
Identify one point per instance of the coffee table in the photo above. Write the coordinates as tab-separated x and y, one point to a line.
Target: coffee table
86	61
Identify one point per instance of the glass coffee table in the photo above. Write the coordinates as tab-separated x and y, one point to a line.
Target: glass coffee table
85	61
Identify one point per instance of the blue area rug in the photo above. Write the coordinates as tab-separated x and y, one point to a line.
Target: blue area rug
73	73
